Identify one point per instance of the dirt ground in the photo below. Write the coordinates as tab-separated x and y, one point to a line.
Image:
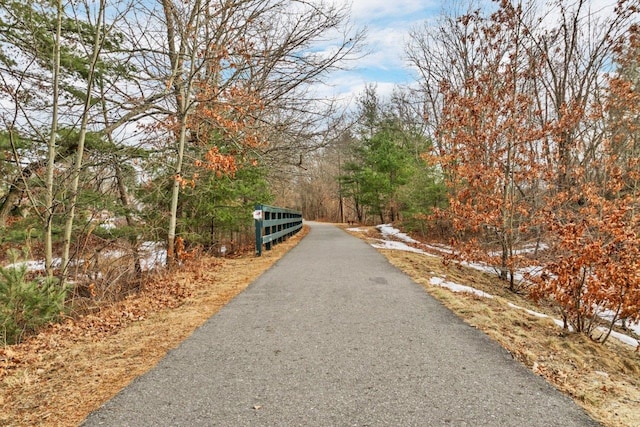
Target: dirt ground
58	377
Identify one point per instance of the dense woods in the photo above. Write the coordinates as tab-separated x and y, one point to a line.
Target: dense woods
137	127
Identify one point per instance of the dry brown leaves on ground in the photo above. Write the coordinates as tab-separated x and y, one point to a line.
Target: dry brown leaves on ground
603	379
59	376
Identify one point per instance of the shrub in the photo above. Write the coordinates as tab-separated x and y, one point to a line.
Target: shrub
26	305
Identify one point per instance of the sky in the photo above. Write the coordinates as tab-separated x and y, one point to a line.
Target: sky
388	23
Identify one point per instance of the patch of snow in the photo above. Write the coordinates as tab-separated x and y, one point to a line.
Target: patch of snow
34	265
609	315
455	287
356	229
532	270
154	255
519	275
479	266
533	313
439	248
106	220
400	246
560	324
622	337
635	327
109	225
526	249
31	265
388	230
113	253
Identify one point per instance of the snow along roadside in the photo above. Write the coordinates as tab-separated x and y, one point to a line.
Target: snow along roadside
389	233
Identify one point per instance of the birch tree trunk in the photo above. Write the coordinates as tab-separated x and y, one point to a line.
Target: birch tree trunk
51	147
179	50
77	166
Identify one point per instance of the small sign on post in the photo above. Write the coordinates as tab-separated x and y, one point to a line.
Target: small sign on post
257	216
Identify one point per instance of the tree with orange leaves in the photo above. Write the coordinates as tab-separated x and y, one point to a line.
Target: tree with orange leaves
595	275
537	146
491	129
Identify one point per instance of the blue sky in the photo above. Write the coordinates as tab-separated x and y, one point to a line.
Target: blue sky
388	24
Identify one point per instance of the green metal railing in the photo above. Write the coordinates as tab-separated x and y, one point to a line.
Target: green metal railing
274	225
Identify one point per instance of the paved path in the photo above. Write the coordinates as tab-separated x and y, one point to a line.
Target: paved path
333	335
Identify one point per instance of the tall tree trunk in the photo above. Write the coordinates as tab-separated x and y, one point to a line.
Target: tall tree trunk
126	203
10	200
51	146
77	166
17	189
179	44
175	195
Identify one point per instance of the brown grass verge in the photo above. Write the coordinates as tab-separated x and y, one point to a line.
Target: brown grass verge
603	379
58	377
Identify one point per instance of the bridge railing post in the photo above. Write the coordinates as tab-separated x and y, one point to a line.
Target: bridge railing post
257	216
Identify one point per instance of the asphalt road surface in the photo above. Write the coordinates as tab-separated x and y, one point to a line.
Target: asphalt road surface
333	335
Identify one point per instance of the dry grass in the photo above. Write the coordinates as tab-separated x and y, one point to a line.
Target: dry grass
603	379
60	376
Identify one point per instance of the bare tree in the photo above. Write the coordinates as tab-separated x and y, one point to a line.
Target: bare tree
102	29
575	50
445	56
223	58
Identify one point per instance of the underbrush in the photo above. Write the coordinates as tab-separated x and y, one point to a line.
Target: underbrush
102	273
27	304
58	376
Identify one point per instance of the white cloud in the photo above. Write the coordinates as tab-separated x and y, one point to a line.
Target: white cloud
388	24
347	86
386	46
368	10
551	12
